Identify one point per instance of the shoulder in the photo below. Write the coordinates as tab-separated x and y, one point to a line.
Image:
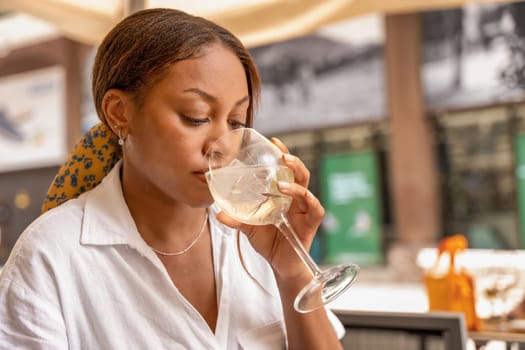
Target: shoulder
29	293
57	224
50	237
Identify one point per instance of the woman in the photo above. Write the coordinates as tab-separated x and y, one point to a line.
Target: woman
145	260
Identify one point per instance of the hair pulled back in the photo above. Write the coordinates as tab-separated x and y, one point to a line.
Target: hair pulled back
140	47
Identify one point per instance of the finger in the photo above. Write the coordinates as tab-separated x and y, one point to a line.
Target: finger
231	222
280	144
300	171
305	200
228	220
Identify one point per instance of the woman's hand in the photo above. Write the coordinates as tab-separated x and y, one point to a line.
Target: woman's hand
305	215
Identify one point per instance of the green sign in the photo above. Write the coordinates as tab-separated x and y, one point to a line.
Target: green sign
520	183
350	195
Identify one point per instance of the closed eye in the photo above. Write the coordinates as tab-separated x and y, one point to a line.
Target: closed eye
194	121
236	124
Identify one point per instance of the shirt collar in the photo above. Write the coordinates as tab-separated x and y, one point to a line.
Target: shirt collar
107	220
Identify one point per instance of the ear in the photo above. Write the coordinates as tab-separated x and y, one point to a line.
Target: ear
114	107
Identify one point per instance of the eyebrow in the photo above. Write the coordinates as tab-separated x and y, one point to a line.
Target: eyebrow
212	98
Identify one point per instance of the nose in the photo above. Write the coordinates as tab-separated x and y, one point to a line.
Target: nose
215	133
219	149
223	146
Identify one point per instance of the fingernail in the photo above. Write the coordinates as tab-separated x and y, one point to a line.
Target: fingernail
283	185
289	158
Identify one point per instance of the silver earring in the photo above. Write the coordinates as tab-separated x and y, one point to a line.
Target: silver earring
120	139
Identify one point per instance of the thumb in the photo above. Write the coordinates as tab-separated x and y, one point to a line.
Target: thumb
228	220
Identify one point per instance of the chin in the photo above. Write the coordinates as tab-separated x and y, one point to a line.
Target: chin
201	202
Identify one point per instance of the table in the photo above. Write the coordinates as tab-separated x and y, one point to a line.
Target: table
490	331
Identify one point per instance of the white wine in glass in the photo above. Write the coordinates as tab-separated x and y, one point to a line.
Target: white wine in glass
244	168
249	193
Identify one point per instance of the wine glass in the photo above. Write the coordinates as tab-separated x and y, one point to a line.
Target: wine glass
244	168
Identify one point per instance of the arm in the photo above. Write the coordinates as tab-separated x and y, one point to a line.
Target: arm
311	330
30	311
28	321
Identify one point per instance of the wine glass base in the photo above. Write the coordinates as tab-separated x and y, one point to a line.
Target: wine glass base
326	287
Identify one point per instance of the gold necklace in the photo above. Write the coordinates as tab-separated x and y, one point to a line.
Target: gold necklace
189	246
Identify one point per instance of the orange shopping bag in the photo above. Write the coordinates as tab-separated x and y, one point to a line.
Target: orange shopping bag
452	290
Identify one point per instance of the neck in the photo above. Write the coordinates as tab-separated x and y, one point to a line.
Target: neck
162	222
189	245
169	230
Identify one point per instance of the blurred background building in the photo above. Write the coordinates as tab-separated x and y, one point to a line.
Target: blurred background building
410	116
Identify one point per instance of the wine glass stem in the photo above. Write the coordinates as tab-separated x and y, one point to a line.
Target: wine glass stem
287	230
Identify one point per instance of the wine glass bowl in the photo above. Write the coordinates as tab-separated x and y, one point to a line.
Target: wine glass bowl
243	176
244	169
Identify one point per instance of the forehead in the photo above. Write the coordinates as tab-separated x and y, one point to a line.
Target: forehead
215	69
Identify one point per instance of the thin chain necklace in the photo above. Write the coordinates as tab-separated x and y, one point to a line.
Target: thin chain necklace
189	246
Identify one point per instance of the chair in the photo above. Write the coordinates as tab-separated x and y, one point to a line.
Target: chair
370	330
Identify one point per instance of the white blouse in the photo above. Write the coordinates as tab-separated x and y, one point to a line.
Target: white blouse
82	277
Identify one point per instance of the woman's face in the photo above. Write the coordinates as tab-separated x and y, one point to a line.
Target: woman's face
195	102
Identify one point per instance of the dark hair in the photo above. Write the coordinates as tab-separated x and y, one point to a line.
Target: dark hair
139	49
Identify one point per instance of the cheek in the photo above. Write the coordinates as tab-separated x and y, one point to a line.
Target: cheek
187	141
149	150
182	153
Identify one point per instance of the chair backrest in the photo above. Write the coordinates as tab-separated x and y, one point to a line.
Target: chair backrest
403	331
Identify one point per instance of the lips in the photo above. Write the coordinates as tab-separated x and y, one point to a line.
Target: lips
200	175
